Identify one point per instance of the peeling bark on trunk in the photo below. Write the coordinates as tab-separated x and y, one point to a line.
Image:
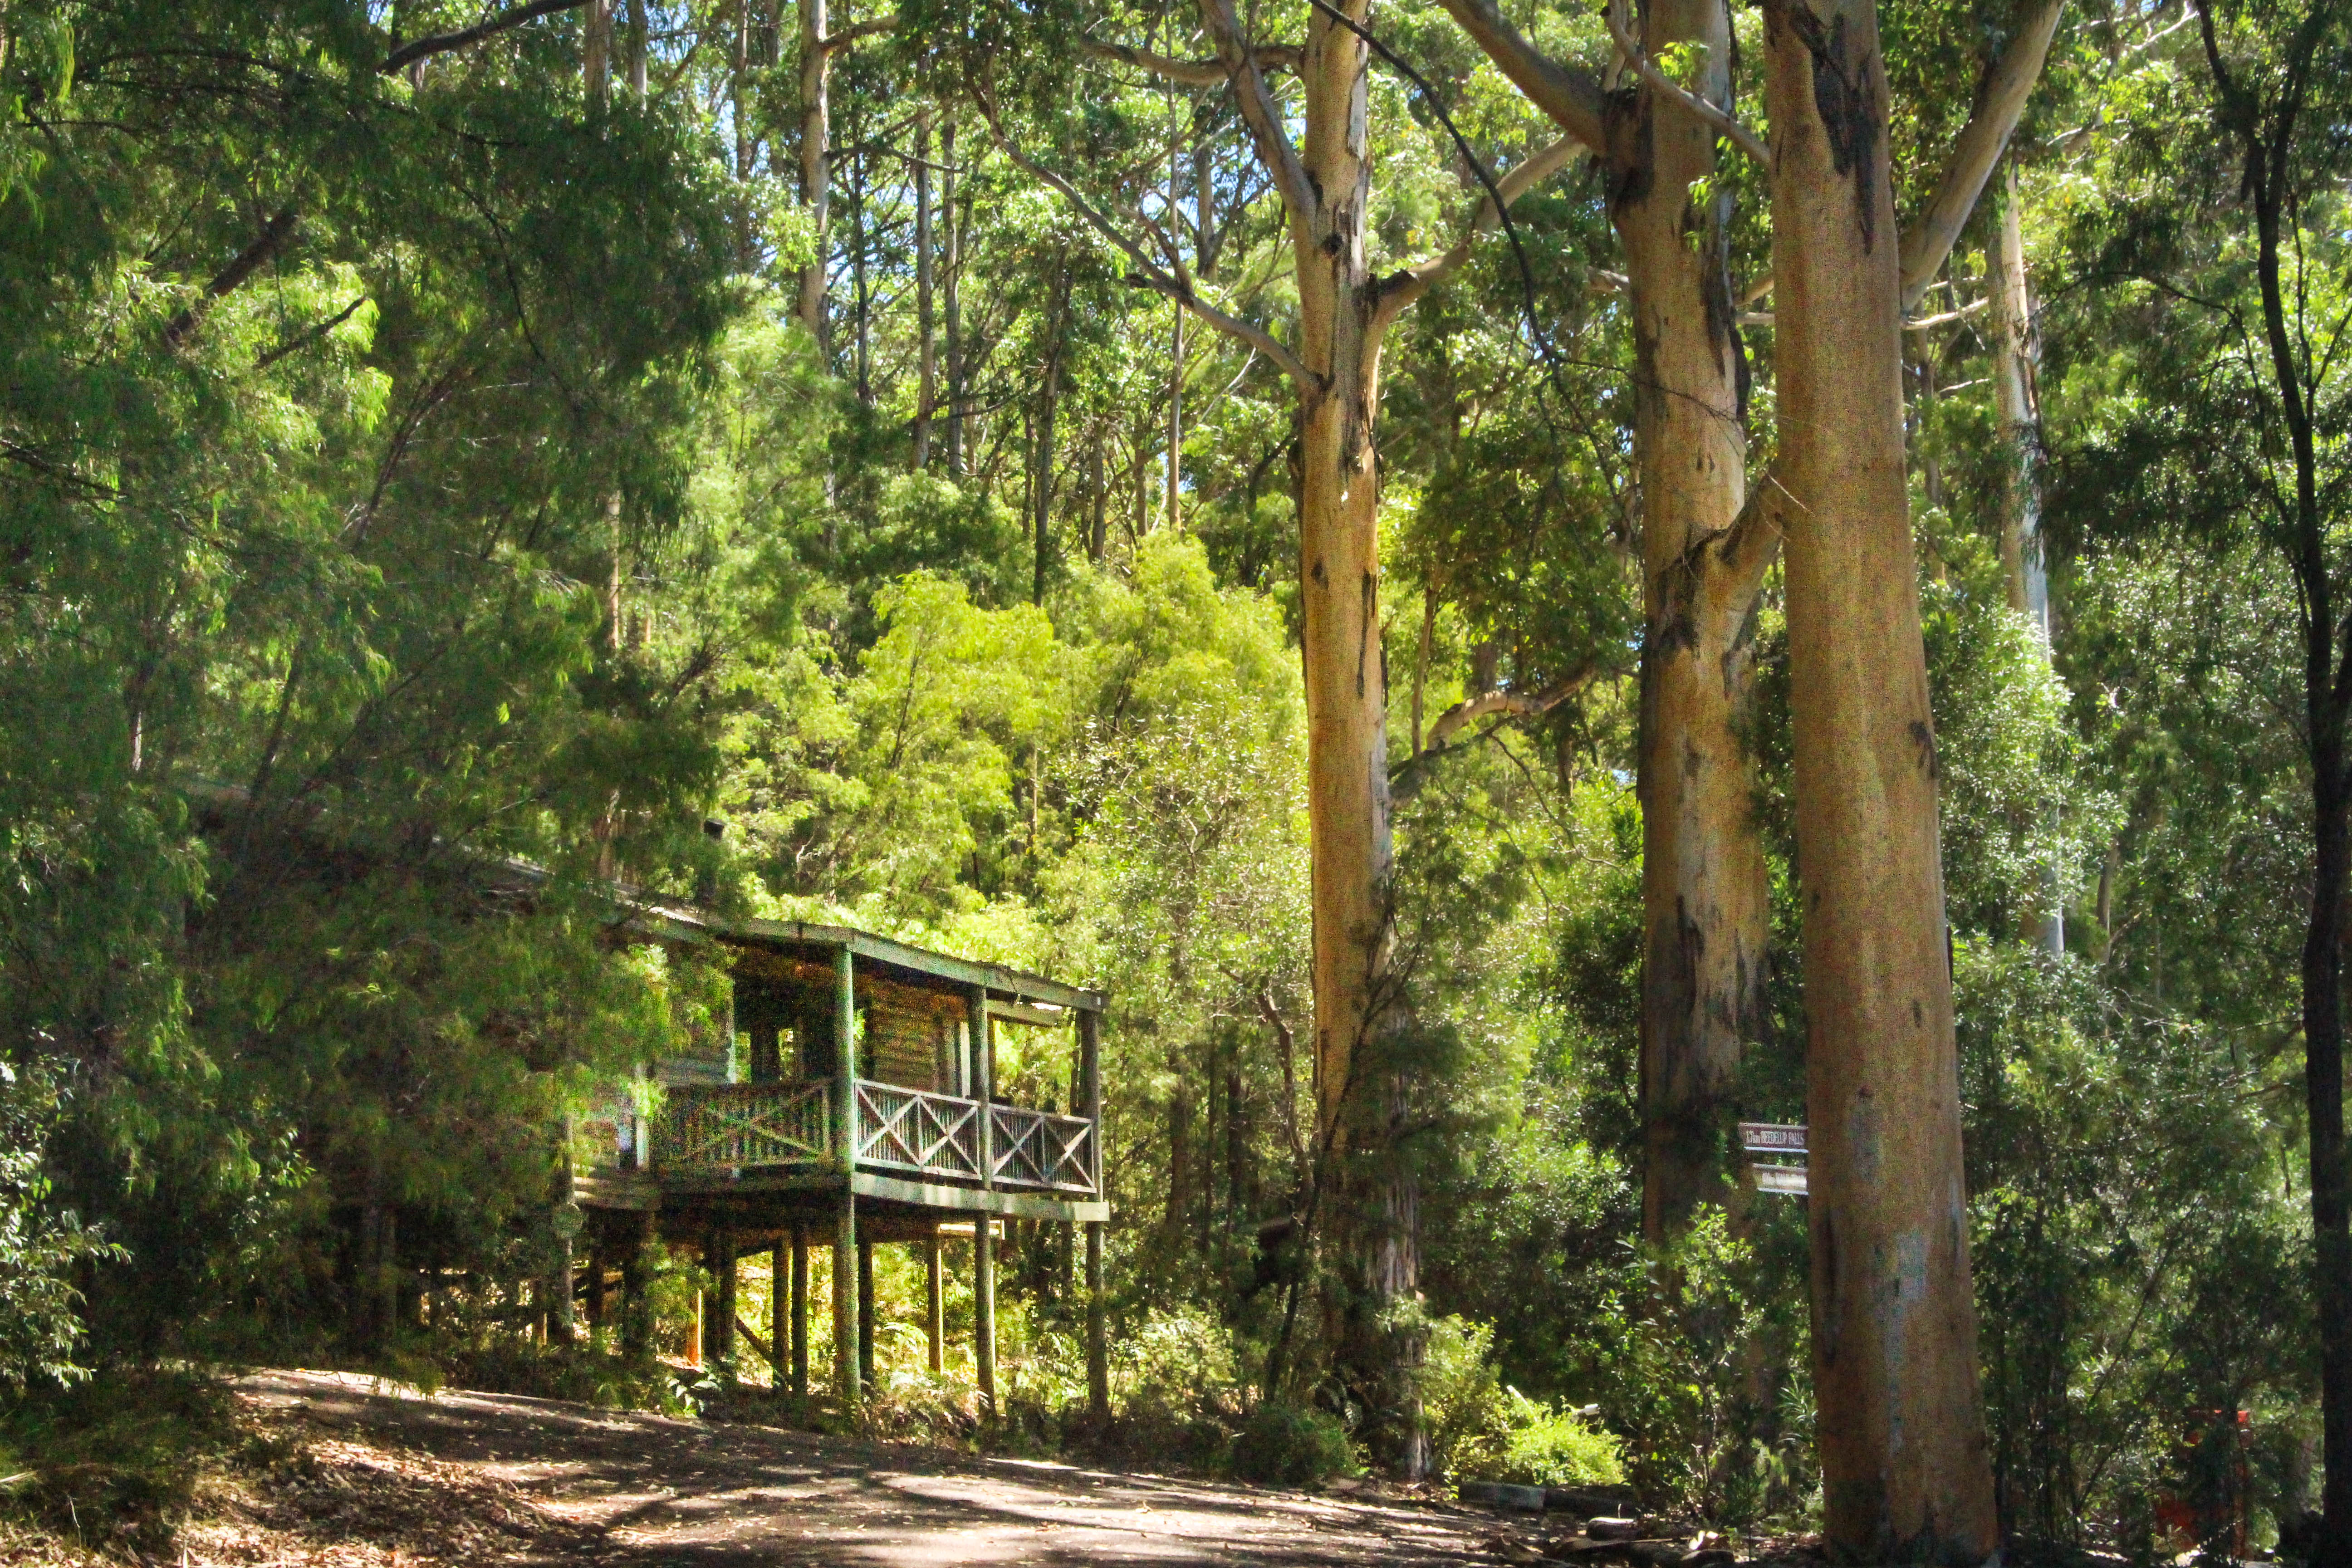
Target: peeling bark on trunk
1704	892
1905	1471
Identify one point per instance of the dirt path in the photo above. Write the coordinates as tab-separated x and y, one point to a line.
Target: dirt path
629	1489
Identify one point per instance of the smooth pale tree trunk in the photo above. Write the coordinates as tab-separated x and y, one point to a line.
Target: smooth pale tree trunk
1703	880
1373	1210
637	49
817	171
2019	406
1906	1470
1704	892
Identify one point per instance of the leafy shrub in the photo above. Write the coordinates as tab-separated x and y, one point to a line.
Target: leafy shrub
40	1245
115	1461
1480	1429
1285	1446
1544	1446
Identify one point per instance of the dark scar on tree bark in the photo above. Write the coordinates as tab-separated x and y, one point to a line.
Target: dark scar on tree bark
1842	98
1925	740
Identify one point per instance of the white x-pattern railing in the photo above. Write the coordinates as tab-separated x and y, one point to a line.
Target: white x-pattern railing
1042	1149
914	1130
743	1125
738	1124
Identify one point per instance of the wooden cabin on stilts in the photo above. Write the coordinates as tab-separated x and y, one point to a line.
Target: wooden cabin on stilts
853	1102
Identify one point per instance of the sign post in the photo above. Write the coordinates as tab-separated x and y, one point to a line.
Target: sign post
1775	1138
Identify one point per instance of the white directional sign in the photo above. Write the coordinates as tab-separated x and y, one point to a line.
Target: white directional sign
1781	1179
1772	1138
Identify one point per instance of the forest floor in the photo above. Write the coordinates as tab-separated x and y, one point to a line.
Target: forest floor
374	1476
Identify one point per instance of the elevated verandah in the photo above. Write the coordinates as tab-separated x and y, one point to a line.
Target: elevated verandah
782	1138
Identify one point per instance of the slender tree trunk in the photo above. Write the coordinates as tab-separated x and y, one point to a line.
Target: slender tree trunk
1373	1212
738	89
596	50
1703	891
953	282
926	357
2325	697
1176	341
637	49
1905	1471
816	167
1175	500
1040	485
2020	512
1097	498
863	342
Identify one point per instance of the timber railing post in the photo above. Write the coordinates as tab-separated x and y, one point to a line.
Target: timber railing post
1091	1093
844	1238
983	1237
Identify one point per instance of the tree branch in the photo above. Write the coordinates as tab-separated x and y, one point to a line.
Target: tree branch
1574	100
2000	104
408	53
309	334
1191	73
246	263
1259	113
1509	704
1177	286
1746	140
1402	288
849	36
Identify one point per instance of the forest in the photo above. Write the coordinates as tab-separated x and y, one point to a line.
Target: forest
1518	585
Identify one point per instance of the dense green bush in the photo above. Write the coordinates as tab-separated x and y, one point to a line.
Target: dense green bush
1287	1445
1481	1429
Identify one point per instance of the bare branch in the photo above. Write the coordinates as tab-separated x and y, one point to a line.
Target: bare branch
1402	288
1746	140
408	53
1915	324
1574	100
1175	286
1259	113
2001	102
1509	704
1192	73
849	36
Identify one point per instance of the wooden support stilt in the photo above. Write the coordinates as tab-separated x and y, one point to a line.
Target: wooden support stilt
600	1259
1097	1358
983	1237
780	1314
694	1331
800	1313
935	1321
865	1309
1090	1106
984	1310
718	1302
636	1317
846	1307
